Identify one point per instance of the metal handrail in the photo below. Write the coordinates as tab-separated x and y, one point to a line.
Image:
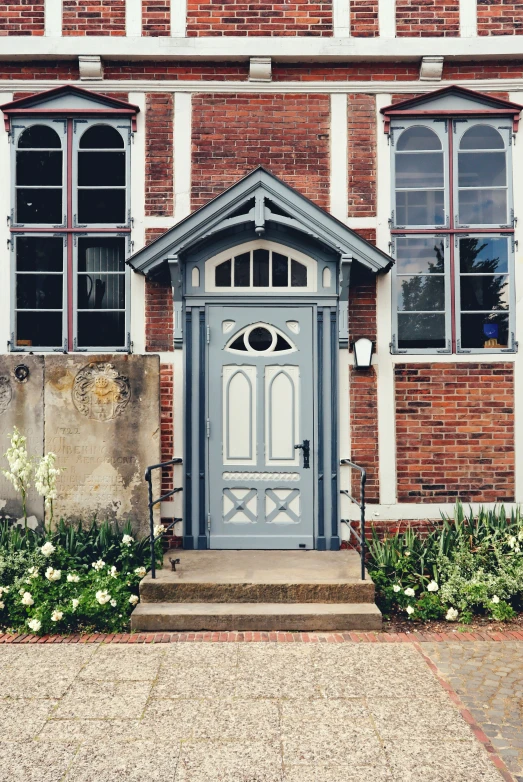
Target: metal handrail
361	505
152	503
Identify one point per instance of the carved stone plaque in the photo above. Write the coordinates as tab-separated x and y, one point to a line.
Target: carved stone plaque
100	393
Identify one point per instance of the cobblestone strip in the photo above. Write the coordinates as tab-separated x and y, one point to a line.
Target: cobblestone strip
278	637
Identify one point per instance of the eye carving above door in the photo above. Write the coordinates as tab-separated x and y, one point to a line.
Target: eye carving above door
260	339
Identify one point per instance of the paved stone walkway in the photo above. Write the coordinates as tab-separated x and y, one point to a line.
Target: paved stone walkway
231	712
488	678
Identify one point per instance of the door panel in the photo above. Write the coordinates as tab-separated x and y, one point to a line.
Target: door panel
260	407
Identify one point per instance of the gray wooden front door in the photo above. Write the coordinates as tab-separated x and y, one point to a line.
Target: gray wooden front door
261	404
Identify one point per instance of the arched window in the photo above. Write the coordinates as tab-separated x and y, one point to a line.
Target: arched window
39	177
482	177
101	176
419	178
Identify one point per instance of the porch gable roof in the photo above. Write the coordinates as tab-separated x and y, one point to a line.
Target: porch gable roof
259	198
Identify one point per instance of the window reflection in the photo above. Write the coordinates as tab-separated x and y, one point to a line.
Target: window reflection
420	196
39	177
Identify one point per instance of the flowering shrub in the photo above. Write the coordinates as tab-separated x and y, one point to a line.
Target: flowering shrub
75	579
20	468
471	565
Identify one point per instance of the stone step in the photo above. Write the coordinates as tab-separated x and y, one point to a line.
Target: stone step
258	617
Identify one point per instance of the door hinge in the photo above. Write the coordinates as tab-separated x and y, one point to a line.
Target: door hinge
208	427
208	334
208	521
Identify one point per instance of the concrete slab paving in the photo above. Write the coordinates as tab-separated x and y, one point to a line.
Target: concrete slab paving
239	712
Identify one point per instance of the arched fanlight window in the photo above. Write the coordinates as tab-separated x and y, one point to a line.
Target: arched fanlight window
261	268
39	177
482	177
419	178
260	339
101	176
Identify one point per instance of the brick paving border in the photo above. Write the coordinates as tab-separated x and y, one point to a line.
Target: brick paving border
278	637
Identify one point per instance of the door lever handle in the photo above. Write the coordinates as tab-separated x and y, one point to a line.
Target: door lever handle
305	446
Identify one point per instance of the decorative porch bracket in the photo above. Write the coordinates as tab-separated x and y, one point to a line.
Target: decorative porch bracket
343	303
176	283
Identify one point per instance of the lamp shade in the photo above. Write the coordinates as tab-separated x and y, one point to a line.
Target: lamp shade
362	353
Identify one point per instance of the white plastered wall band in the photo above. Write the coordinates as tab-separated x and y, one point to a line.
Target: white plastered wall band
341	18
468	18
52	18
133	18
387	18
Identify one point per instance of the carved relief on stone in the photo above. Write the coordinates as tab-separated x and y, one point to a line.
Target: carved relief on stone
100	393
6	394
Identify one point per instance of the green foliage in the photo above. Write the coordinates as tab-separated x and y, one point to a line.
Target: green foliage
472	563
77	578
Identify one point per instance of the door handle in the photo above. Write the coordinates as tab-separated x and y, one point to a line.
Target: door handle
305	446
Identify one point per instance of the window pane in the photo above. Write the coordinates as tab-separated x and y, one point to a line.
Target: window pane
420	255
242	270
260	268
415	170
99	254
101	168
39	291
416	332
101	137
418	137
489	292
260	338
483	255
39	254
39	329
487	207
39	206
101	291
280	270
482	170
481	137
421	293
39	168
101	329
222	275
101	206
420	207
298	275
39	137
484	331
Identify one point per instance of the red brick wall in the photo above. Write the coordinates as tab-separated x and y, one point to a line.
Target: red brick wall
159	310
500	17
364	429
94	17
427	18
159	172
257	17
362	155
455	432
362	303
288	134
25	17
364	21
176	71
347	71
156	17
32	71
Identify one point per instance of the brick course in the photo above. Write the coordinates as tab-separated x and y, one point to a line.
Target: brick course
255	18
362	303
346	71
500	17
364	429
159	171
362	155
364	20
95	17
176	71
25	17
156	17
233	134
427	18
455	432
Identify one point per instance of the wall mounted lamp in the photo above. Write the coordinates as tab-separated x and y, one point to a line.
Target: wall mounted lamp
362	353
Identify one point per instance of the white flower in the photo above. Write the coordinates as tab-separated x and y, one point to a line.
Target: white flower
2	605
98	565
47	549
56	615
34	625
409	592
4	590
158	530
396	588
73	578
21	591
113	572
495	599
113	603
53	575
451	615
75	602
409	610
33	572
433	586
127	540
133	599
407	553
103	596
140	571
27	599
